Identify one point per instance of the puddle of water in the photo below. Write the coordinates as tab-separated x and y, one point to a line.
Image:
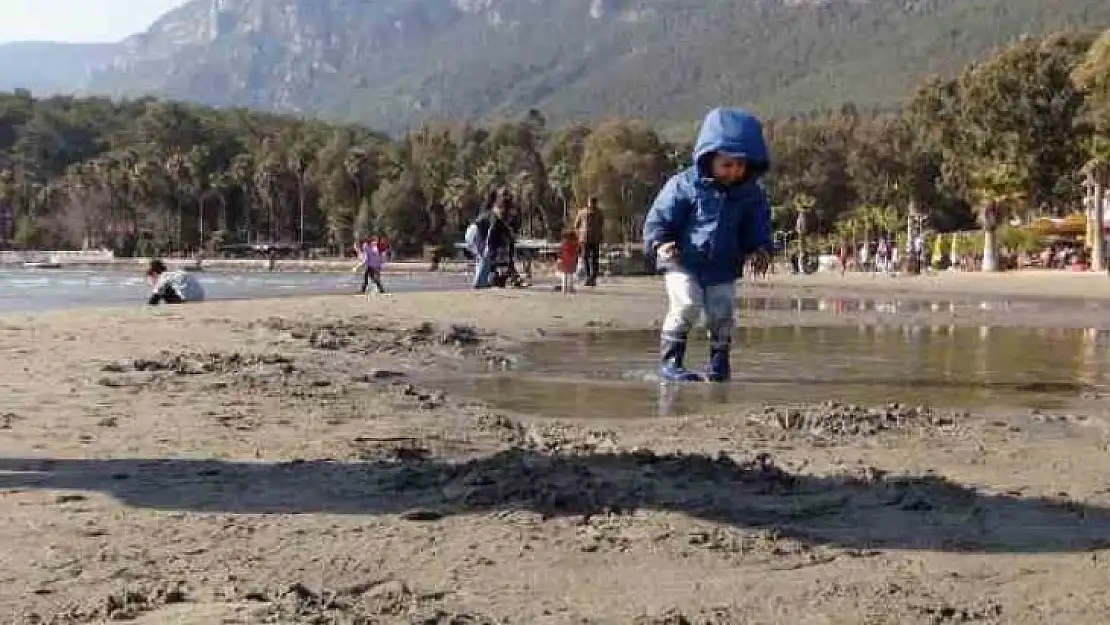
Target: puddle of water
613	374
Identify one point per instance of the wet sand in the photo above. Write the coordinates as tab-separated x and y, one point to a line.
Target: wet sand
295	461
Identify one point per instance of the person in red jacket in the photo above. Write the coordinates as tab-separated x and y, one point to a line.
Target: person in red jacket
569	251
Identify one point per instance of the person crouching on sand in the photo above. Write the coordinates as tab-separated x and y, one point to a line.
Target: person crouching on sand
372	263
172	287
569	251
700	229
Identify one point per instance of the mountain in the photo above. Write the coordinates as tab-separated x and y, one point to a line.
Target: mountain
394	63
47	68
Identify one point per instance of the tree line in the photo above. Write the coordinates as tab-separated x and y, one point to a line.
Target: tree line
1008	136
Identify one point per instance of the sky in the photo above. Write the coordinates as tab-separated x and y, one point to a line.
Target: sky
78	20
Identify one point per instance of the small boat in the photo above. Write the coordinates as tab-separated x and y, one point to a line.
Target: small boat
42	265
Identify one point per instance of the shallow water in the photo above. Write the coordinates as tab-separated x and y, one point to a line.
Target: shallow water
33	290
613	374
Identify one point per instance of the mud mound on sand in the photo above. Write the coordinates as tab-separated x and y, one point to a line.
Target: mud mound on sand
378	601
197	363
367	602
831	421
360	335
268	373
120	606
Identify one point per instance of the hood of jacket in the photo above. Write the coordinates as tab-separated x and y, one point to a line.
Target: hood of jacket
734	132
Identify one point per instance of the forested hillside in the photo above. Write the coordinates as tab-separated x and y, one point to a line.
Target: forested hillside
395	63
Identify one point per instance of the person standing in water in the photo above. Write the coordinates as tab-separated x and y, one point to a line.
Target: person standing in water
701	227
372	264
172	287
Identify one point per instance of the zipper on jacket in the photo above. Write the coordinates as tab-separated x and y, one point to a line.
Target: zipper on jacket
718	199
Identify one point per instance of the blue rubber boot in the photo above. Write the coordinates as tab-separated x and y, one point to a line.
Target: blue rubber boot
719	369
671	368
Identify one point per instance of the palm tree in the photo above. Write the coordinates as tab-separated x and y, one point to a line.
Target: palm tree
1097	171
298	162
561	178
455	195
803	207
996	189
241	176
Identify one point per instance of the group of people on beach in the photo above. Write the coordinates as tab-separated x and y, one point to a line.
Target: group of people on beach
704	225
491	241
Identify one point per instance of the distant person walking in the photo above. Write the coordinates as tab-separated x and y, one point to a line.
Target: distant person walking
372	262
590	224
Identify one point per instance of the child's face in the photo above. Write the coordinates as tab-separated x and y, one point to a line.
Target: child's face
728	170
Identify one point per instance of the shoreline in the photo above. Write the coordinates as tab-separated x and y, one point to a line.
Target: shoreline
241	462
1039	288
231	265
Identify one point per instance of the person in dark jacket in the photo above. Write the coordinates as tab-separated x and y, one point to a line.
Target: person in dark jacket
497	242
701	227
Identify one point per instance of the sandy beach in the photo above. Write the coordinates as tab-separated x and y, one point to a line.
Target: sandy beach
297	461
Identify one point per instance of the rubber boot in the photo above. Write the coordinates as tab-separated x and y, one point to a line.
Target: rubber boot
671	367
718	369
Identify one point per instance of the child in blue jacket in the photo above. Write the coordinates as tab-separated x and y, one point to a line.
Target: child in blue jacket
703	224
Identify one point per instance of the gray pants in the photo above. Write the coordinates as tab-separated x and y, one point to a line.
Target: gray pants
688	298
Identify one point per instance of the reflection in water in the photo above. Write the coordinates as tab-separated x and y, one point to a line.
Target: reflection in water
855	305
612	374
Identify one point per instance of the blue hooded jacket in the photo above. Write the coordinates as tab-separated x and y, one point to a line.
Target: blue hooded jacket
714	227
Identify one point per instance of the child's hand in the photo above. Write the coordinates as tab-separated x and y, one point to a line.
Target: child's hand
667	251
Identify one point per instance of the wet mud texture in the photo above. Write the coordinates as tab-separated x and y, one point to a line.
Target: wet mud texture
832	422
743	510
305	470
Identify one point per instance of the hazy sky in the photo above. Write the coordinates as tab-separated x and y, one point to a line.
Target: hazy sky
78	20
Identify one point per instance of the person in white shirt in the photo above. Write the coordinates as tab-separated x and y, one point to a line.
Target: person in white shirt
172	287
